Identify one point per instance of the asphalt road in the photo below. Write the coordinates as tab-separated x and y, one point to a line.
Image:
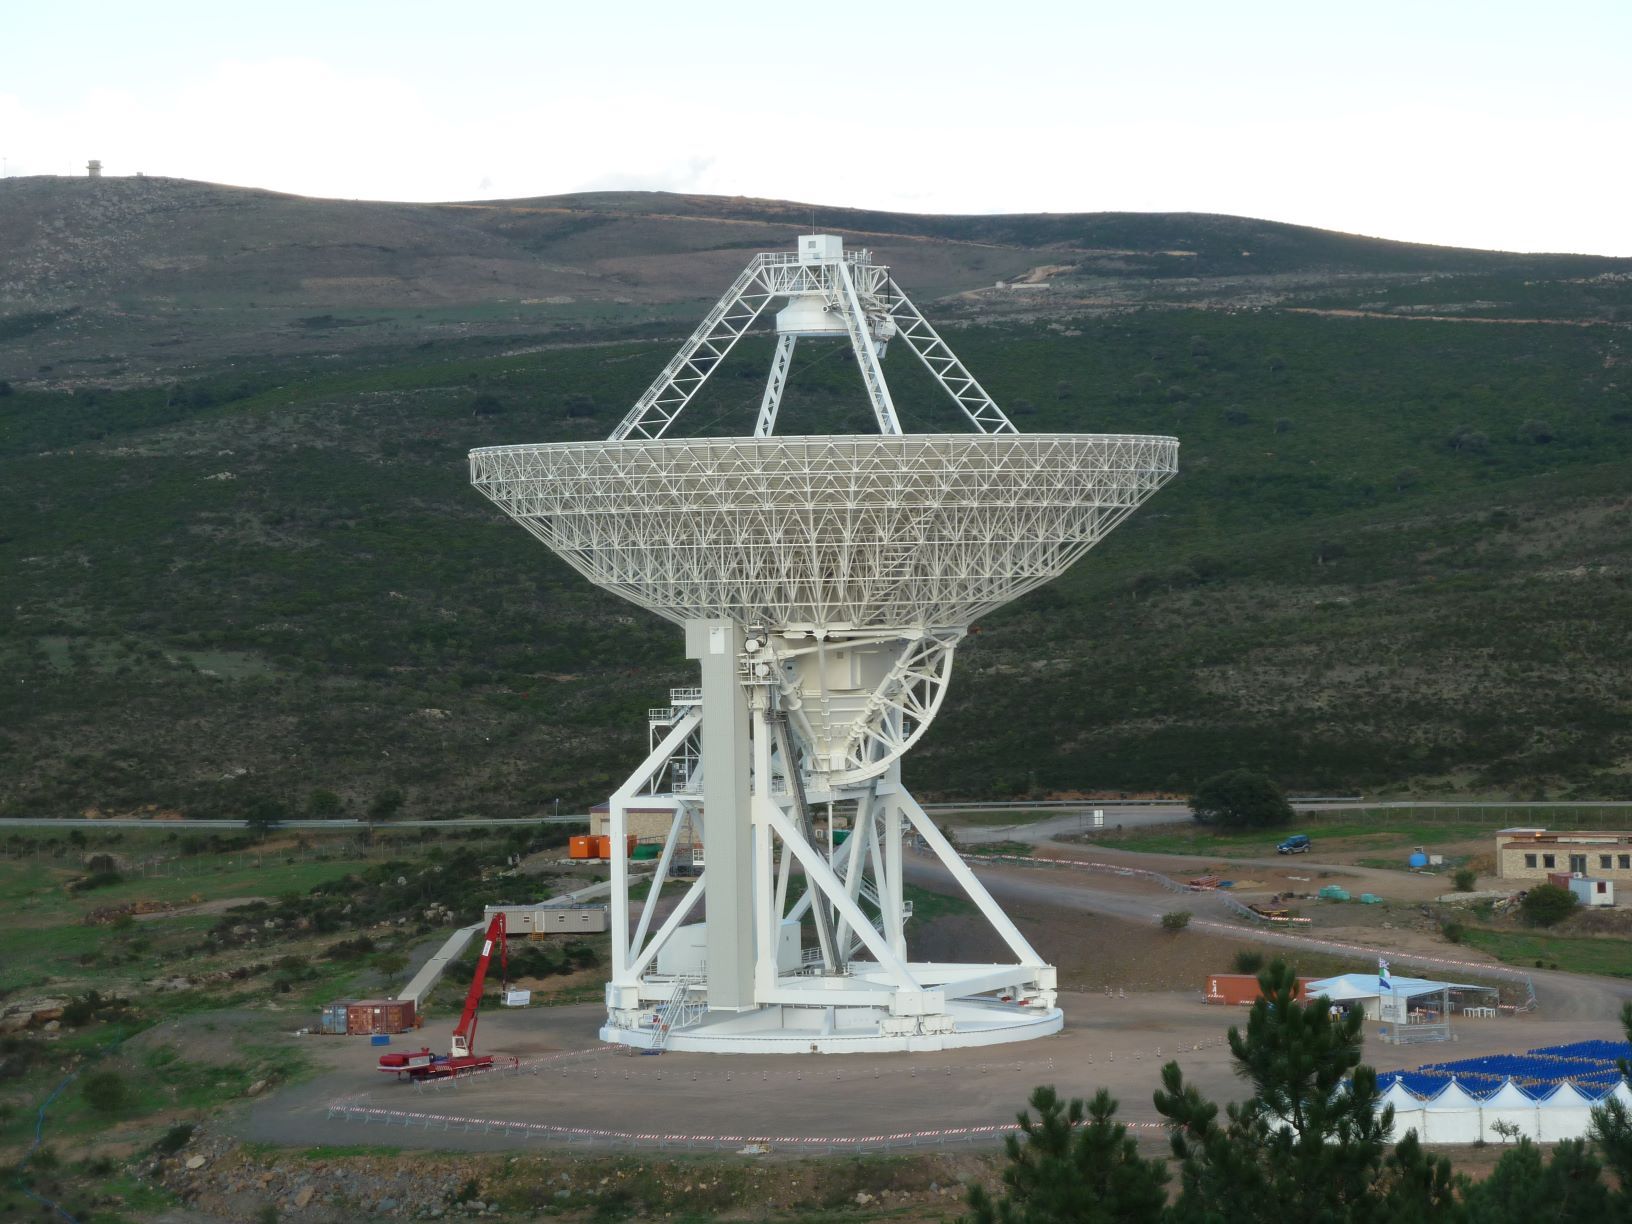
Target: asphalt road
1071	818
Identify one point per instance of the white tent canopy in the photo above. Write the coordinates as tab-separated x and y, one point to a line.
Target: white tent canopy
1454	1115
1346	987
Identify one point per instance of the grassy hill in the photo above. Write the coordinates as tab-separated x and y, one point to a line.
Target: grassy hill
1397	554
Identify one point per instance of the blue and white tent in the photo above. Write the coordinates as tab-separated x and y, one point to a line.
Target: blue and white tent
1368	989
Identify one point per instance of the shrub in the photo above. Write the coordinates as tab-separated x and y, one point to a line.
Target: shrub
1538	433
174	1139
100	879
1175	921
1454	931
1466	440
1240	799
1547	905
1464	879
105	1091
1249	961
349	949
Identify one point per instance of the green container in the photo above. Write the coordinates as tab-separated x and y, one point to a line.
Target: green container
840	836
643	853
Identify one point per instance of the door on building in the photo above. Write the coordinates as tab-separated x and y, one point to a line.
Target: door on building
1578	863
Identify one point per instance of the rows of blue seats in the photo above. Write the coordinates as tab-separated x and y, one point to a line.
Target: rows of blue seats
1589	1064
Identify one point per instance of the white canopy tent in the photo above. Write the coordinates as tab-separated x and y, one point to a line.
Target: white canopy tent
1396	1001
1455	1115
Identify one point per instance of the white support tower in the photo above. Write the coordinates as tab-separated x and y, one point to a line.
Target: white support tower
824	584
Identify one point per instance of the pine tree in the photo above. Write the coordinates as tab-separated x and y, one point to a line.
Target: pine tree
1075	1164
1309	1143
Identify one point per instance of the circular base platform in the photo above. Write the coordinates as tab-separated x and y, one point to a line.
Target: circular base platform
779	1030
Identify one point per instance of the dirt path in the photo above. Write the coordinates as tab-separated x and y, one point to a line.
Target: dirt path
1563	996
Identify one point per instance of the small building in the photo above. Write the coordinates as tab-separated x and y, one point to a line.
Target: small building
1534	854
543	918
647	824
1592	892
380	1016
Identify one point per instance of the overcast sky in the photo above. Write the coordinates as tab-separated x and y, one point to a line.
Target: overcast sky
1491	124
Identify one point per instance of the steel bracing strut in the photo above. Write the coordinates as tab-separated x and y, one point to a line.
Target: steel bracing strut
870	304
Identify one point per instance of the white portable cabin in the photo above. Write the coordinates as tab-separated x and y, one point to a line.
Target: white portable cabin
1593	892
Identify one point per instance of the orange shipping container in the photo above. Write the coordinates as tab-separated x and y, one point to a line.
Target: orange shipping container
1241	988
582	847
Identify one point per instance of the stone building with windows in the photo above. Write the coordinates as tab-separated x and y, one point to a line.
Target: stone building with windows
1534	854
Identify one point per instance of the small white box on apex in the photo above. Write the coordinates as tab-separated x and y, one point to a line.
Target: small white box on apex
820	248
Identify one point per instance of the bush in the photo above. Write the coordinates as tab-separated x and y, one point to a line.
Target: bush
1249	961
1175	921
349	949
1240	799
1464	879
105	1091
1454	931
100	879
174	1139
1547	904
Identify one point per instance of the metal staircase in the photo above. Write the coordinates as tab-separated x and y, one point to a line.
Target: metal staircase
680	1011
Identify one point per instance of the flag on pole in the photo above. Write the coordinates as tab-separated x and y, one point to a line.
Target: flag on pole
1382	974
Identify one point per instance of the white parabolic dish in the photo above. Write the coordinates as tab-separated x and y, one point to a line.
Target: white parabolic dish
839	532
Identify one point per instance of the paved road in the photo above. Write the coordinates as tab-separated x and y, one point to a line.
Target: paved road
1071	818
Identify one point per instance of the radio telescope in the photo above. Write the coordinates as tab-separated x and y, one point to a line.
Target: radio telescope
824	584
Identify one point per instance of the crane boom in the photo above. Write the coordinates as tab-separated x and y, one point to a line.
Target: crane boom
464	1036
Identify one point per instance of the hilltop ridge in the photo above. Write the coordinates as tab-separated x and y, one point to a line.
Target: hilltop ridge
123	277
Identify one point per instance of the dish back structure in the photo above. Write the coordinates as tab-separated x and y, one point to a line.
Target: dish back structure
824	584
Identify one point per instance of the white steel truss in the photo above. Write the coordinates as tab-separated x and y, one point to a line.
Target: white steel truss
866	305
943	363
778	378
825	584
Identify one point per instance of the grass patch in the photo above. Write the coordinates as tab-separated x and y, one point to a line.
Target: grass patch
928	906
1607	956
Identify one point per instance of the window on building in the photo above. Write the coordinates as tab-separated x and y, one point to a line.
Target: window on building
1578	862
1626	862
1604	861
1529	860
1548	861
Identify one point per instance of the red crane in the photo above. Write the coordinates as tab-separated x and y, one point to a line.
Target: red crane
422	1064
